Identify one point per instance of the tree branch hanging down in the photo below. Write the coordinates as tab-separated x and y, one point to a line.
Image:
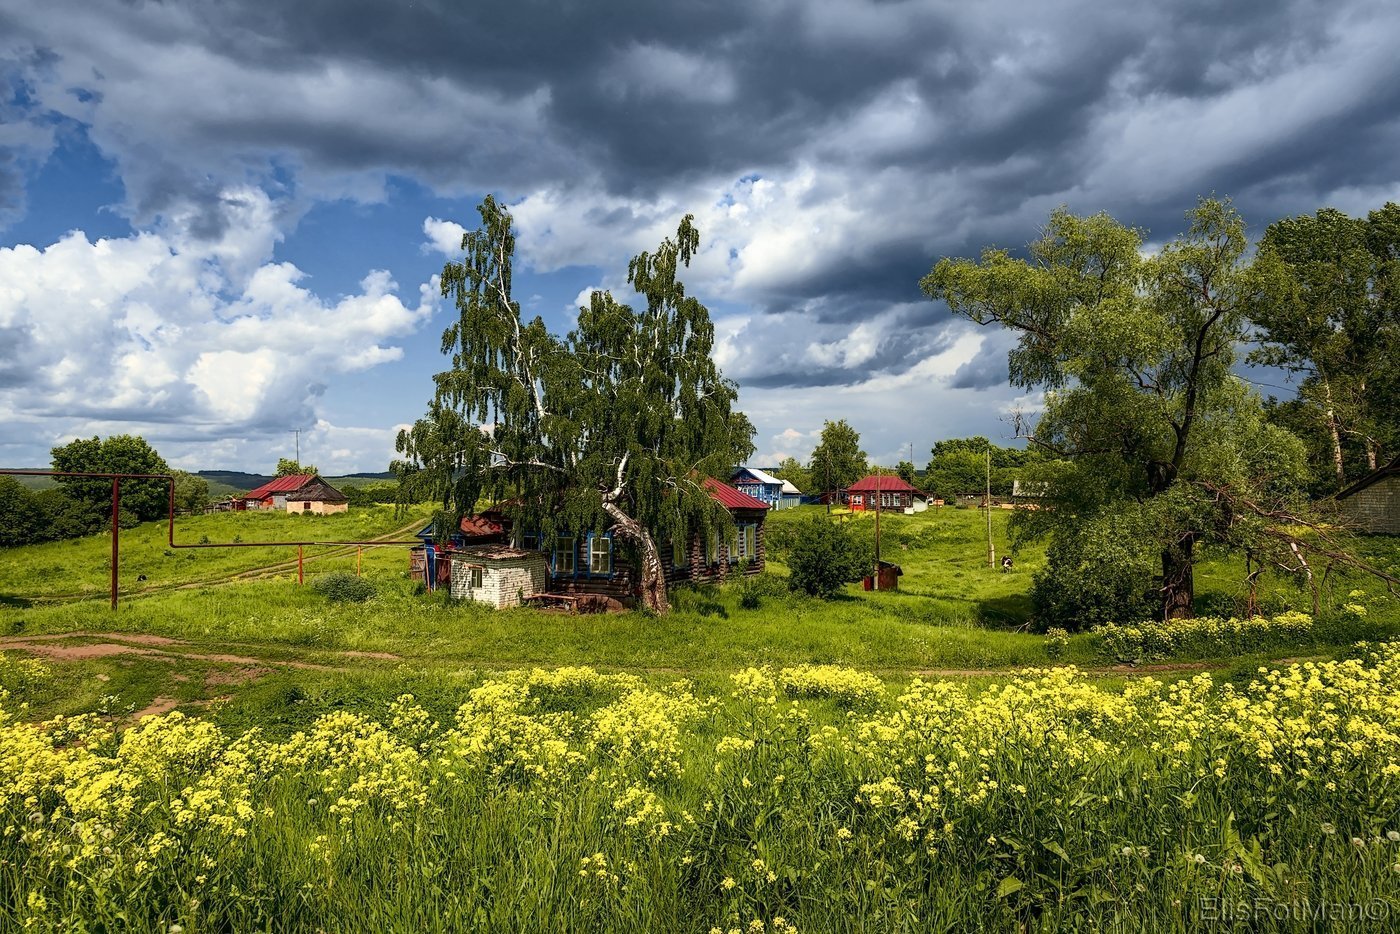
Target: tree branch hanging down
596	430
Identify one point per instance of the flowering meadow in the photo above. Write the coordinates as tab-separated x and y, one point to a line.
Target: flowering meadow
1204	636
800	799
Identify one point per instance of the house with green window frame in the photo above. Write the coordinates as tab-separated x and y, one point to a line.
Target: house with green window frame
592	563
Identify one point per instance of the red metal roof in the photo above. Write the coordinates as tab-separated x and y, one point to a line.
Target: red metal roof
280	485
883	483
480	526
730	498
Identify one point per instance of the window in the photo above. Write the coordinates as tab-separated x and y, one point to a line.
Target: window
564	555
746	541
476	578
306	507
530	541
856	500
680	555
885	499
599	555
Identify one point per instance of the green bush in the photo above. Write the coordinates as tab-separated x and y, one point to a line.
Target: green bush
824	556
343	587
1205	637
1097	573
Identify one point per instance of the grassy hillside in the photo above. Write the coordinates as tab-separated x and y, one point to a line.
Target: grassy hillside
80	567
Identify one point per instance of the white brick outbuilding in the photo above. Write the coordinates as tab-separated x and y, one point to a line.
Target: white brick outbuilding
498	574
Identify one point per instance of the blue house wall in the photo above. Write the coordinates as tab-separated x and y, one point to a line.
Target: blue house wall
770	493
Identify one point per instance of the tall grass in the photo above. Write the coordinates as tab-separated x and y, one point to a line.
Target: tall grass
572	800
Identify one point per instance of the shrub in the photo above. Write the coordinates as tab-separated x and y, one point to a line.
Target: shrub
343	587
848	687
823	557
753	589
1096	573
1205	636
1056	642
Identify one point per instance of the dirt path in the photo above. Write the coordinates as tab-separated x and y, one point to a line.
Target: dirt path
62	647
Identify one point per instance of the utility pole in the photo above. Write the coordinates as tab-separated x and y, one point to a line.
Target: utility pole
297	432
991	548
826	467
877	528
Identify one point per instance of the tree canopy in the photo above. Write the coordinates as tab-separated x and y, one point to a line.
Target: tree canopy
1142	416
1330	312
287	467
615	425
959	466
838	460
143	499
793	472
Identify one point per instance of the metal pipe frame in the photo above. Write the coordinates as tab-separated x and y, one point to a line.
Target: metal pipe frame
116	479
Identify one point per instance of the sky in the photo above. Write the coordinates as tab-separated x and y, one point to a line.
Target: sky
222	220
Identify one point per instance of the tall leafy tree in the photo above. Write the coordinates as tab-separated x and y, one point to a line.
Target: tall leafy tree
1134	353
143	499
793	472
191	491
838	460
959	465
905	470
287	467
1320	317
616	425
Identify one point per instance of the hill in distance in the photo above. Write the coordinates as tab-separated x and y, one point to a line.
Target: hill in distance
228	482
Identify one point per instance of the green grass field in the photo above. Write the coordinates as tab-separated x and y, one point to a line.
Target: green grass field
80	567
510	797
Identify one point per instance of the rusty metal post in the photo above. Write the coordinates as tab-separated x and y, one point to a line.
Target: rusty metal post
116	507
359	551
301	579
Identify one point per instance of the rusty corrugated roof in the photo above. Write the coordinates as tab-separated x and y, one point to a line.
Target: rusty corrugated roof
730	498
280	485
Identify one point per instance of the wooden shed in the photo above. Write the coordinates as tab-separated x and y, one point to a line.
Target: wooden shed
1372	504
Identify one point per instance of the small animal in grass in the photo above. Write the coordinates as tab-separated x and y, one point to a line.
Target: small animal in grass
140	577
1006	564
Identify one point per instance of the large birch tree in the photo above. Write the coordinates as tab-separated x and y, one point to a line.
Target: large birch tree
613	427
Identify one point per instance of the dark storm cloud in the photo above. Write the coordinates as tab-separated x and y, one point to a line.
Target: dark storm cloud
932	128
984	371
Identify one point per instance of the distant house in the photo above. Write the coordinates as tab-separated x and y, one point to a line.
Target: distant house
761	485
591	563
1372	504
273	493
791	496
316	497
883	492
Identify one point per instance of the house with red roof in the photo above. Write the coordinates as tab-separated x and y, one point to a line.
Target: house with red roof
273	493
299	493
881	491
592	563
